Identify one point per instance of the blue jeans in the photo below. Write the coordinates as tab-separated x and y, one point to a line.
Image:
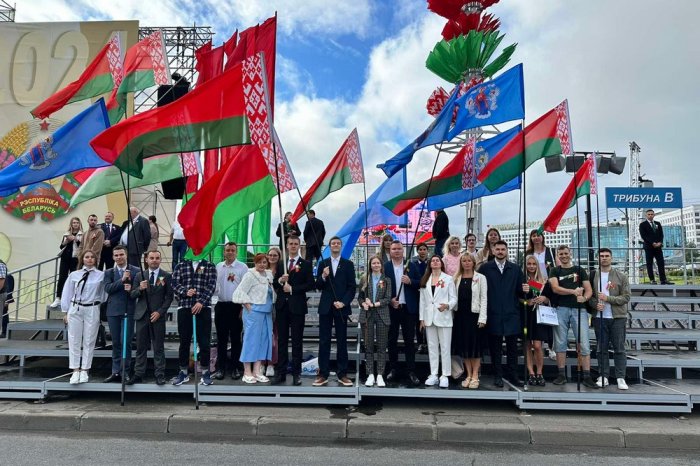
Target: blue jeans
116	327
613	333
179	250
568	317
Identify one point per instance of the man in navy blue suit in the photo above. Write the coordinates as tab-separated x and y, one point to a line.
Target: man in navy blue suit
112	234
336	281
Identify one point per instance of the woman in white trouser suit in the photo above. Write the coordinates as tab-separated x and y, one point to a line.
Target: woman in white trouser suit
80	301
438	298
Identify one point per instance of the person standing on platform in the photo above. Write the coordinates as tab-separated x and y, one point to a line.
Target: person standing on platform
291	309
3	290
136	236
470	241
6	299
373	298
487	253
570	283
468	331
336	282
652	234
120	306
83	293
93	239
437	301
256	295
505	291
154	295
441	231
178	243
227	313
384	251
314	233
194	283
546	257
273	263
287	229
112	233
68	262
611	293
453	250
416	270
536	333
404	315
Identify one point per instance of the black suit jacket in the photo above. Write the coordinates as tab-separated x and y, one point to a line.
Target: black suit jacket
504	294
340	287
314	232
141	234
114	236
159	297
650	236
301	279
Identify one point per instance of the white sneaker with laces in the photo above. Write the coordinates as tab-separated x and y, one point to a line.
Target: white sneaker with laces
602	382
444	382
432	380
621	384
380	381
75	378
370	380
83	377
56	302
270	372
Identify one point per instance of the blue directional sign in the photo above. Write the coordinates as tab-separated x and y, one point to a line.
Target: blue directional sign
644	198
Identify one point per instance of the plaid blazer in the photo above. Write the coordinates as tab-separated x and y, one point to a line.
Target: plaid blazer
203	280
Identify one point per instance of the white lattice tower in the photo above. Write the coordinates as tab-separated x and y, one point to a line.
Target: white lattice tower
636	216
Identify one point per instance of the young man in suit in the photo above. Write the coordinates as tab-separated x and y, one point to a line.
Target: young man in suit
336	281
416	270
136	235
653	238
120	306
403	311
154	295
291	310
112	234
314	233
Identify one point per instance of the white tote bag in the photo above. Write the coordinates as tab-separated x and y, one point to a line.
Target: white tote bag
547	315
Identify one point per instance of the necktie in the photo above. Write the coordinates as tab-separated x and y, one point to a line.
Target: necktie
83	280
653	226
153	278
291	264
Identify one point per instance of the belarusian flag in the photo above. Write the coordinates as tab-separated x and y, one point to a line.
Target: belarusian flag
238	189
344	168
98	78
155	170
145	65
549	135
584	182
212	115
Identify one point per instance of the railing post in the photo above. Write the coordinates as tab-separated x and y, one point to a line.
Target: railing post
36	293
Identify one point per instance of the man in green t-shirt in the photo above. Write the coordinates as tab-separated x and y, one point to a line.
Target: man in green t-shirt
571	283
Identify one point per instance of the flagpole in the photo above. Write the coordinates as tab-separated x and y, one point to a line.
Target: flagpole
364	195
523	189
600	275
579	283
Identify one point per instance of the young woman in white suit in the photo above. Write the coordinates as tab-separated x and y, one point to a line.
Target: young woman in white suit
438	298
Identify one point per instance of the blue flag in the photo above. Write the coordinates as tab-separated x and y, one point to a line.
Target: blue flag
484	151
501	99
66	150
377	214
435	134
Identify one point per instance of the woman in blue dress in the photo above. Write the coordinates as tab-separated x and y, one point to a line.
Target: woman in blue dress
256	295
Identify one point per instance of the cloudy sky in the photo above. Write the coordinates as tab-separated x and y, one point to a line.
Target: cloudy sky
627	68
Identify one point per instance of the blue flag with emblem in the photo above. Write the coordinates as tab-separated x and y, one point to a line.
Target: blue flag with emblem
434	134
489	103
66	150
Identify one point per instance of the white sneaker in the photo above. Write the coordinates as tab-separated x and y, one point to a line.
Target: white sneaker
370	380
56	302
444	382
83	377
270	372
380	381
602	382
621	384
75	378
432	380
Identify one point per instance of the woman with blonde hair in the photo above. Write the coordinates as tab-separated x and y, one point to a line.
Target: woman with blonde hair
274	254
385	248
469	335
536	333
373	298
486	253
452	252
70	246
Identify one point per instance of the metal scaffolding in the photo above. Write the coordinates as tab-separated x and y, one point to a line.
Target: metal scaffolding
7	12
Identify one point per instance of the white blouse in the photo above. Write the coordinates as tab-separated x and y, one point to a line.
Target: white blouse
75	293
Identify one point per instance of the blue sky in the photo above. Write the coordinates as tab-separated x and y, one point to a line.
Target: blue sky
360	63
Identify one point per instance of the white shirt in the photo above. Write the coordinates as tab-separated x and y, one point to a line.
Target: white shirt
74	292
195	264
155	276
178	232
398	273
541	261
607	310
228	277
334	263
501	265
295	259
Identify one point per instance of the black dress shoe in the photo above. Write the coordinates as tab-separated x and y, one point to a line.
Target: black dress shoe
666	282
653	282
515	380
113	378
236	374
392	376
279	379
498	382
160	380
296	380
218	375
133	379
415	381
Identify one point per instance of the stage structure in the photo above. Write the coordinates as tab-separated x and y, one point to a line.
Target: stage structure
7	12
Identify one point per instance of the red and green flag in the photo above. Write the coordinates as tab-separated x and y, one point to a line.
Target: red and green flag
212	115
145	65
99	77
547	136
241	187
344	168
584	182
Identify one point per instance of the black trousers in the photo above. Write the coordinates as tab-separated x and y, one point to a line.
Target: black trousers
229	327
400	318
65	267
313	252
106	259
184	328
288	323
496	352
326	323
655	253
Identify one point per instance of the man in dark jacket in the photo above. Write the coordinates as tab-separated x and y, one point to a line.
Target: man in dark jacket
441	231
653	238
314	233
112	234
505	291
136	236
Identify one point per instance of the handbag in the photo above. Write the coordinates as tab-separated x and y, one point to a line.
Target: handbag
547	315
